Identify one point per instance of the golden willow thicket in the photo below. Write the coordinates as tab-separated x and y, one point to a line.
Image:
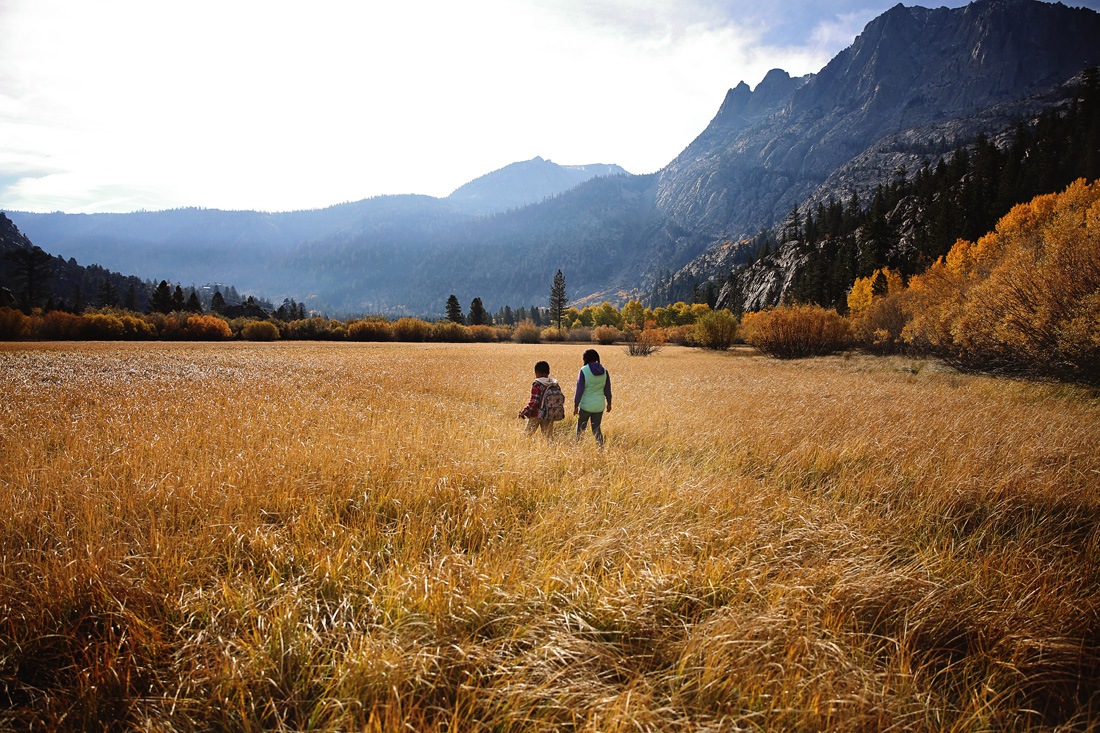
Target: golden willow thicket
1024	298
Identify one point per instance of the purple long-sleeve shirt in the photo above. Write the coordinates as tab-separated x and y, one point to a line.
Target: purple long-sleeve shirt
597	369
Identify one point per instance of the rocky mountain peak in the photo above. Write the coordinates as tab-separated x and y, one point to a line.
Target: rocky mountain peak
770	149
524	183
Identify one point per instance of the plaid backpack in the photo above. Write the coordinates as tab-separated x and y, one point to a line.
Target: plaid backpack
552	406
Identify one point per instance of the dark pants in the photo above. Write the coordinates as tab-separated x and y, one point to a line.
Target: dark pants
582	423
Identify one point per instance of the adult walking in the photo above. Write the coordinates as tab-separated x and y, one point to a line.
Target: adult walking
593	396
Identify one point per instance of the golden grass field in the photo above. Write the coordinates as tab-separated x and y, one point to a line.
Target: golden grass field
359	537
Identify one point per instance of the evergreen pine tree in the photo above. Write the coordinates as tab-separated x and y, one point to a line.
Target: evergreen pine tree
879	285
107	293
217	303
792	227
131	302
454	310
178	301
558	299
478	315
162	299
193	304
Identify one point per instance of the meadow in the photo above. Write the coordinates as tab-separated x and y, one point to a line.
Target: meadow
296	536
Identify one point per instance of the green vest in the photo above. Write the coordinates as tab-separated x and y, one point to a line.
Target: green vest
592	400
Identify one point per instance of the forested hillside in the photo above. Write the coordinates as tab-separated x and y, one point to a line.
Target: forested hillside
32	278
915	218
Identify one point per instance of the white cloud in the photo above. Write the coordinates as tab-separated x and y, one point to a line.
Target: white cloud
126	104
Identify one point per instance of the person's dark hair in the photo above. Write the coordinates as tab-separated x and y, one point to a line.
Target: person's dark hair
590	356
541	367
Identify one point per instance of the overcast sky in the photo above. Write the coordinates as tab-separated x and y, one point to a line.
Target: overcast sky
121	105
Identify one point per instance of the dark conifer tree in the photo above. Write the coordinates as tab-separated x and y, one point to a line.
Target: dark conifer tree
107	293
879	285
478	314
217	303
193	305
131	302
162	299
559	301
792	227
454	310
178	301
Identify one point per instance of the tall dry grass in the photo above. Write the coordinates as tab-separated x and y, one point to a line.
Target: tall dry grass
288	536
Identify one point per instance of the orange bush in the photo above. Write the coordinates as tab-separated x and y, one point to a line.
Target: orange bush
411	329
643	342
58	326
168	325
374	329
207	328
879	325
314	329
135	326
13	325
552	334
449	332
483	334
260	331
606	335
796	331
100	326
527	333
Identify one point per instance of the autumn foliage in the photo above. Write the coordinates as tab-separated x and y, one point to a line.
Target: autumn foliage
375	329
796	331
1024	298
876	312
208	328
260	331
716	330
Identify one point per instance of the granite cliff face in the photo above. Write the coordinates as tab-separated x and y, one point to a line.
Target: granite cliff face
771	149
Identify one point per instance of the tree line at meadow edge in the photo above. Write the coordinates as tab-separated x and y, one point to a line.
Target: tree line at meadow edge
854	265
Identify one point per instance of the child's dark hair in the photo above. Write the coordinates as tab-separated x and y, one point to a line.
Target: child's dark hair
590	356
541	367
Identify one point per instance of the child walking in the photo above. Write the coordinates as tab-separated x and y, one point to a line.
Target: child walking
547	404
593	394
